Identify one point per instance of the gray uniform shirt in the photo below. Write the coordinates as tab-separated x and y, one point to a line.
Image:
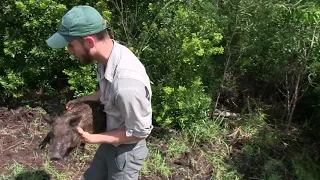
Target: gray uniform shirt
126	92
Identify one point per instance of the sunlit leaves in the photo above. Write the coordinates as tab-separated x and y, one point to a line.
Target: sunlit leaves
12	83
82	80
181	39
26	26
181	106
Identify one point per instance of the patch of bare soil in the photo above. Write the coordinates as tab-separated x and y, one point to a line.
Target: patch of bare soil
18	137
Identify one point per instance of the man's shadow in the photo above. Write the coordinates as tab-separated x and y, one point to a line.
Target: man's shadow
33	175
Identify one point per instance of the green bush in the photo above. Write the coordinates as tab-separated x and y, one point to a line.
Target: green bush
82	80
12	83
180	107
26	60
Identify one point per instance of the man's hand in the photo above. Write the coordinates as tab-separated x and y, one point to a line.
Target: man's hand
92	97
71	103
87	137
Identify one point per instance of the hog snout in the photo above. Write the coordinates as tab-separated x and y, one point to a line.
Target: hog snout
56	156
59	149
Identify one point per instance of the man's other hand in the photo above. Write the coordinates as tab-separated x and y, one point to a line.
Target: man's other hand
71	103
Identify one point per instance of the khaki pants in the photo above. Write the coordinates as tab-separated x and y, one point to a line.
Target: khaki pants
121	162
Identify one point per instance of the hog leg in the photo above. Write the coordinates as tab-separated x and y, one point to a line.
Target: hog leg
46	140
82	147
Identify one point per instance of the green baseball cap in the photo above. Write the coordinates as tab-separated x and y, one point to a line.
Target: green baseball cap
80	21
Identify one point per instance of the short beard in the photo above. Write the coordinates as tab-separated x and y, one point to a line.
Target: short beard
87	58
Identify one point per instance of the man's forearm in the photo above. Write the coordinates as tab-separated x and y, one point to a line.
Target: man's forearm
93	97
115	137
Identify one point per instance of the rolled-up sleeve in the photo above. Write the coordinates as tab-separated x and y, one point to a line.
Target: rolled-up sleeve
136	110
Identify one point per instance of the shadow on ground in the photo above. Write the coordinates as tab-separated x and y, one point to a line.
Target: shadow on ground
33	175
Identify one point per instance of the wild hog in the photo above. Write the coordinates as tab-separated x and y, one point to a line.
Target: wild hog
63	134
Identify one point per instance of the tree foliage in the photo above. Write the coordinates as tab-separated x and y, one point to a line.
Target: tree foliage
272	50
26	62
199	54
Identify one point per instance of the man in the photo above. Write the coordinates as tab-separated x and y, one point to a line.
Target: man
124	91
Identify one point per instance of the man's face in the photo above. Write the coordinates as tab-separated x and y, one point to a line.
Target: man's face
81	51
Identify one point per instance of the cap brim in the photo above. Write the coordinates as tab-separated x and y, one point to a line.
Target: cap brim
58	41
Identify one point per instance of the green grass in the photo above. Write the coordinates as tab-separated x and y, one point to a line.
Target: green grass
303	165
54	172
176	147
156	163
19	172
16	168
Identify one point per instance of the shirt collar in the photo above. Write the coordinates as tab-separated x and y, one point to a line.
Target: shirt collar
113	62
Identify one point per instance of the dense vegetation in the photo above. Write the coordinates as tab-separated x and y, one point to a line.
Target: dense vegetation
259	59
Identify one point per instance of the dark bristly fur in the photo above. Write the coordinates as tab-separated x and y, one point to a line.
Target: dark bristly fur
63	135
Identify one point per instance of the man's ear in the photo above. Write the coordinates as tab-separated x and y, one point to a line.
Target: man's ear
90	41
74	121
48	119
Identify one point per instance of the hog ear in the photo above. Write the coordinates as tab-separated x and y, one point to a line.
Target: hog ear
48	119
74	121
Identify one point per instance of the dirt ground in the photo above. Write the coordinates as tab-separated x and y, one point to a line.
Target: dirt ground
22	129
